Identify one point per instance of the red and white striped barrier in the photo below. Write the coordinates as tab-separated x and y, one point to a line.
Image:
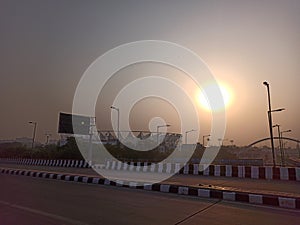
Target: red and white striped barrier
47	162
254	172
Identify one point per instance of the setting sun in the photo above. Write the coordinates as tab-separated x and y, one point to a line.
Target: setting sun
226	93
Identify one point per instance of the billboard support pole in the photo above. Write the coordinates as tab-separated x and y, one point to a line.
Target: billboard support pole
90	150
92	125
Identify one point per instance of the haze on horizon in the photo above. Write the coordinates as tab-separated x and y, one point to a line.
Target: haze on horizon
46	46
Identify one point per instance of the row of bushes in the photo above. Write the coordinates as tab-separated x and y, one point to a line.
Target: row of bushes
70	151
18	150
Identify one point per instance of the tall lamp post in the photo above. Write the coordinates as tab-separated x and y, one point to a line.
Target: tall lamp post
270	121
221	141
118	123
280	143
47	138
157	130
186	135
283	156
203	138
34	131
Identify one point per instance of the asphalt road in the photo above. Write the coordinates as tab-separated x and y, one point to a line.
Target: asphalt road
288	188
28	200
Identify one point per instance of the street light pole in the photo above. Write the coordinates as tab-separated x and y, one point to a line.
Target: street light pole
221	141
157	130
203	138
186	135
118	122
280	143
47	138
298	147
34	131
283	156
270	122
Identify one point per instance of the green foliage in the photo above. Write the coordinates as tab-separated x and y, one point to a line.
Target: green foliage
70	151
125	154
17	150
10	150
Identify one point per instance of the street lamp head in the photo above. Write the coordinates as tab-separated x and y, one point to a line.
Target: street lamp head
190	131
277	110
167	125
285	131
115	108
266	83
276	125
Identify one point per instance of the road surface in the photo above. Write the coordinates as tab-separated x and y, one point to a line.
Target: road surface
29	200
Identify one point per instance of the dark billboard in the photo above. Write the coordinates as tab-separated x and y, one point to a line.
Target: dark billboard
81	124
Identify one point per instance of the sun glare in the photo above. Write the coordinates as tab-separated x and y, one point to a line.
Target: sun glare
225	91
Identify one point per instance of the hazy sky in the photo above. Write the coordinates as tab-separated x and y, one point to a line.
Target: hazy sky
45	47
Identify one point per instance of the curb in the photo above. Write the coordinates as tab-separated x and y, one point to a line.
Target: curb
239	196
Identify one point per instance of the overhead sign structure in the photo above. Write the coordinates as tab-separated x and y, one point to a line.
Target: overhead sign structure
81	124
